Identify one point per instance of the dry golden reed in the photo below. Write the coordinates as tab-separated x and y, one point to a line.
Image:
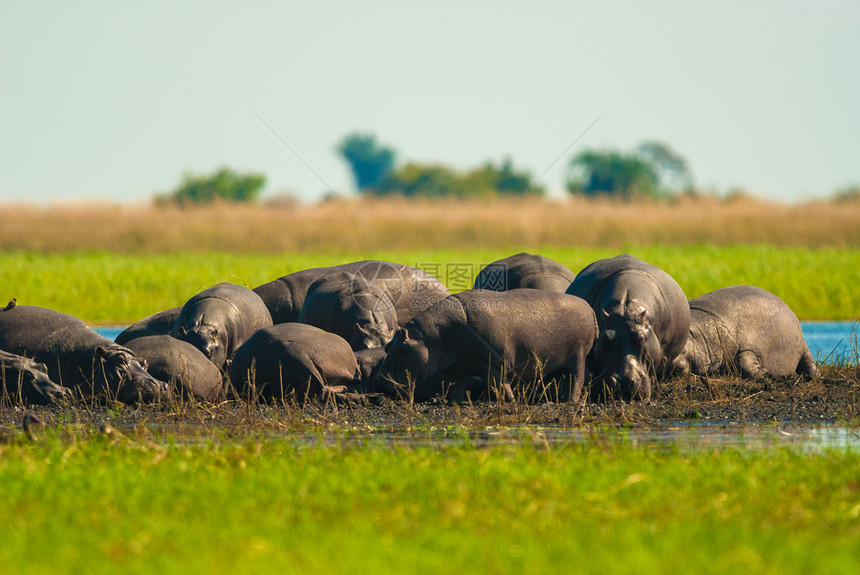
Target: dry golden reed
358	225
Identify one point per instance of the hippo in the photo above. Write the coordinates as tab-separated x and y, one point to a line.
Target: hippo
77	357
293	359
468	339
644	320
410	289
369	361
353	308
26	381
744	330
159	323
524	270
219	319
181	364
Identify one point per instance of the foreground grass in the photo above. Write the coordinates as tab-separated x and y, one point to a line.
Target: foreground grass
84	502
114	288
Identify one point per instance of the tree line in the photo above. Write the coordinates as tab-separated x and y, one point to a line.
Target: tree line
651	170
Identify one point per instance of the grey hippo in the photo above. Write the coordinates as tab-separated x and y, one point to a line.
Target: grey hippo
181	364
524	270
77	357
294	360
219	319
353	308
468	340
644	320
411	290
26	381
159	323
744	330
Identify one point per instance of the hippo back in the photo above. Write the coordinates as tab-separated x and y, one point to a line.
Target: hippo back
159	323
525	323
285	296
352	307
181	364
525	270
292	358
758	321
410	289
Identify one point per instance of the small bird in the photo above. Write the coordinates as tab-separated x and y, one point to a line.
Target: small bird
12	303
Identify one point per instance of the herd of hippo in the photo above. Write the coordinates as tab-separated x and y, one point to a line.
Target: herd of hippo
530	328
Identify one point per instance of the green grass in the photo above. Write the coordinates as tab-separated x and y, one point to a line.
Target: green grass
89	505
108	288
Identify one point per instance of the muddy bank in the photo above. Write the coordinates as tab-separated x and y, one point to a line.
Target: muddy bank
834	398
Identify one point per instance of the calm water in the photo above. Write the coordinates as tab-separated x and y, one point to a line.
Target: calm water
683	437
829	341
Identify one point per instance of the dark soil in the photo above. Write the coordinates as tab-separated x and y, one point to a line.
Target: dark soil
834	398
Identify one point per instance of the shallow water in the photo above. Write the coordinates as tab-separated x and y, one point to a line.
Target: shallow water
829	341
682	437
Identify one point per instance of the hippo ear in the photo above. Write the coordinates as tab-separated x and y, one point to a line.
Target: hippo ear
101	351
604	312
182	331
412	333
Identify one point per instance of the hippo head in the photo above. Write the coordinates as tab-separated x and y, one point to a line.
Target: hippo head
370	335
626	351
126	376
407	358
209	339
375	317
28	381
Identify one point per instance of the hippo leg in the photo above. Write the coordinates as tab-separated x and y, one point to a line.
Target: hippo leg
806	366
750	366
570	384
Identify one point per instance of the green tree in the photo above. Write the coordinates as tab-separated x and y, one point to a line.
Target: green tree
672	168
438	180
847	194
225	184
608	172
369	161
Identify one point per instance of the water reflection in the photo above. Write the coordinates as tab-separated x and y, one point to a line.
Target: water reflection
683	437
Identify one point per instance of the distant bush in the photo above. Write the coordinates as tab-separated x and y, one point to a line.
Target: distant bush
225	185
438	180
652	170
848	194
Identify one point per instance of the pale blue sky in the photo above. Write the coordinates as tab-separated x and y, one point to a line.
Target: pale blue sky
113	101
